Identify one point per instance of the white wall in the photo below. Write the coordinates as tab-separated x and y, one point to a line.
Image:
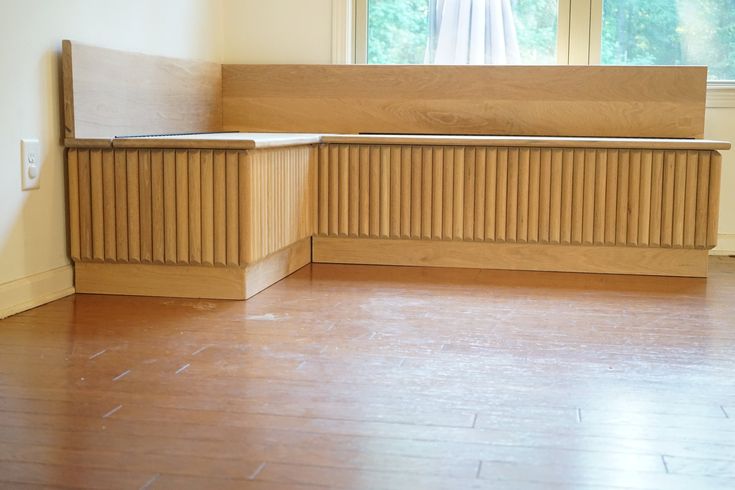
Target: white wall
34	263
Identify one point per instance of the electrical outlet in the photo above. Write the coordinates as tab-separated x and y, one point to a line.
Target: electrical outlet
30	153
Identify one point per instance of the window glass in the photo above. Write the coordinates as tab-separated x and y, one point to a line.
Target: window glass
670	32
462	31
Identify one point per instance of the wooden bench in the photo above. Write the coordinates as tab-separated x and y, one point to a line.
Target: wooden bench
585	169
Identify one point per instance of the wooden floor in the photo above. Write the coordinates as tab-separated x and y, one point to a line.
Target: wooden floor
382	378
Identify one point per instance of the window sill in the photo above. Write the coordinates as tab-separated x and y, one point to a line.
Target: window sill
721	95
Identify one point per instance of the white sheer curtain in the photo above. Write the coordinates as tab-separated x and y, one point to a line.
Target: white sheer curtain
472	32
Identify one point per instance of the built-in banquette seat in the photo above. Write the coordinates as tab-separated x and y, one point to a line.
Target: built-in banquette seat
198	179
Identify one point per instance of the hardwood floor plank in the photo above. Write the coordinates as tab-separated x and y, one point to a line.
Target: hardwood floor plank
379	377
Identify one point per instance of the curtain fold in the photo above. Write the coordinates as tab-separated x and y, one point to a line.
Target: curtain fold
472	32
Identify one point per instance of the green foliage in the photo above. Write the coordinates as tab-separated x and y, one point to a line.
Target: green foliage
536	25
397	31
666	32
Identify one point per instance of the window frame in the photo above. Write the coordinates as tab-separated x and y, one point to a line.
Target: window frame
579	35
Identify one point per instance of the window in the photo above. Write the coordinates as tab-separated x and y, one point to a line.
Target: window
616	32
461	31
666	32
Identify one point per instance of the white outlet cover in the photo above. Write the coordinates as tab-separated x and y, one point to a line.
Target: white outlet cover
30	159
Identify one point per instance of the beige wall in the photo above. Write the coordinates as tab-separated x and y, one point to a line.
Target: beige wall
33	244
278	31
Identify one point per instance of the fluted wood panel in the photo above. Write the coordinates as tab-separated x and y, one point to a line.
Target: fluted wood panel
194	207
647	198
279	209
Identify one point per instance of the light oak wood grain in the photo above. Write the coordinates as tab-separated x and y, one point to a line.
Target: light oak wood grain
573	196
498	100
114	93
509	256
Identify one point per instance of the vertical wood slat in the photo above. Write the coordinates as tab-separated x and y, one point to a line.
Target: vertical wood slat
207	201
333	198
416	181
220	209
703	183
323	203
103	200
195	206
544	195
405	192
121	207
146	206
448	193
667	200
523	190
533	195
437	215
158	197
634	181
690	199
680	175
72	158
182	206
567	187
501	194
469	193
713	213
169	205
480	192
362	225
232	180
353	194
491	189
344	190
133	201
395	191
588	212
600	212
384	217
85	206
512	196
644	222
621	220
611	197
458	205
577	197
657	186
245	208
555	197
427	187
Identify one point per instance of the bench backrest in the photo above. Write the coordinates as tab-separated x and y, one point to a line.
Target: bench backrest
113	93
666	102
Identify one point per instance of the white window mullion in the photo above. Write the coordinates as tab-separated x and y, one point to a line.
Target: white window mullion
361	31
595	33
579	32
562	32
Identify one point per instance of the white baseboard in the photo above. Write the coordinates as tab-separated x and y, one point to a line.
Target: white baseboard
725	245
36	290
